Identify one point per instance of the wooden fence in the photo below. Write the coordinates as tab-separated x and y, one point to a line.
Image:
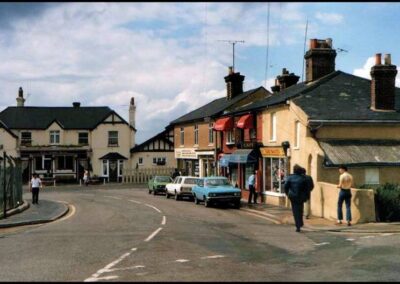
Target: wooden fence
144	175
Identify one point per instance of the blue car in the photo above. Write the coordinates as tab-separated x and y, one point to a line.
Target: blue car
213	190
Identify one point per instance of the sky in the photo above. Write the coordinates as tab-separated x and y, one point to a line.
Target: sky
172	57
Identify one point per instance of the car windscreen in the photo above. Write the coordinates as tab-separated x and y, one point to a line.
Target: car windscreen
191	181
217	182
162	179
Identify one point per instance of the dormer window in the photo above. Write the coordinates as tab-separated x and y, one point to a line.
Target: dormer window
26	138
55	137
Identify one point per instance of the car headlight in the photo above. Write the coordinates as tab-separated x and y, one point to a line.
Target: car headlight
212	194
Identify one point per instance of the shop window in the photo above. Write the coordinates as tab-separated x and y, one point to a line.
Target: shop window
55	137
65	163
105	168
273	127
372	176
120	167
275	174
39	163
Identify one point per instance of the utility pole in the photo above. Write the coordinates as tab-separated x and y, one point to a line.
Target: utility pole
233	42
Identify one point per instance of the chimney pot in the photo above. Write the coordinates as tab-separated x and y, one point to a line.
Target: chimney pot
76	104
132	101
388	59
313	43
20	92
378	59
329	42
230	70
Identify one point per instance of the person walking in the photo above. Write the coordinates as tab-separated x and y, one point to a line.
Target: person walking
86	177
345	184
252	189
296	190
34	186
310	187
175	174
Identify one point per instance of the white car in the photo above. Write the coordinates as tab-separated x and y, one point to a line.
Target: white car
180	187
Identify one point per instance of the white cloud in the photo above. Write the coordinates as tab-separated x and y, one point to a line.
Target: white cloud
329	18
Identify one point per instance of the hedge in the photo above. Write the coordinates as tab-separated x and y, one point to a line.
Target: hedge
387	202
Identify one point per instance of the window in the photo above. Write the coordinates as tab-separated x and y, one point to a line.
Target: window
196	134
65	163
210	133
39	163
372	176
105	168
83	138
140	161
273	127
297	135
55	137
230	138
182	140
120	167
253	133
112	138
26	138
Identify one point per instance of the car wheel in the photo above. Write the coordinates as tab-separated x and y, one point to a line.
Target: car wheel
154	192
206	202
177	198
167	195
196	201
149	191
237	205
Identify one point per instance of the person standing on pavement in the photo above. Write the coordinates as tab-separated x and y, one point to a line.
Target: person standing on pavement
252	189
86	177
310	187
345	184
34	186
296	190
175	174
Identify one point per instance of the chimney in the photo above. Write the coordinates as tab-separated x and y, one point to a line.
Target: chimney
132	113
234	84
320	59
383	77
20	98
76	104
284	81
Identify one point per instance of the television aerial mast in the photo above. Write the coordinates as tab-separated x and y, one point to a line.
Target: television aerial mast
233	42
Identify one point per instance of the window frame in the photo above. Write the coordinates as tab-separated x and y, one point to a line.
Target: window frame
196	134
110	138
230	137
182	136
211	133
54	135
24	140
297	126
273	123
79	138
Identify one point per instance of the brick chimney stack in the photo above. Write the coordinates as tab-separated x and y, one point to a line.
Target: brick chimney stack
20	98
320	59
383	77
234	84
284	81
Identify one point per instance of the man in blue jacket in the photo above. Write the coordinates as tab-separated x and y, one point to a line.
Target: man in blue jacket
296	190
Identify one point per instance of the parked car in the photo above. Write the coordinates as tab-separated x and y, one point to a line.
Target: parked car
181	187
212	190
157	184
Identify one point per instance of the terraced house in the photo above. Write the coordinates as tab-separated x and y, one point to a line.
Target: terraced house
64	141
331	119
196	142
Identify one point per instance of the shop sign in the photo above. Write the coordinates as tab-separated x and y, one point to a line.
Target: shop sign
272	152
185	153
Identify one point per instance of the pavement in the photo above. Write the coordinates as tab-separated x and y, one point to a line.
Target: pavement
284	216
48	211
29	214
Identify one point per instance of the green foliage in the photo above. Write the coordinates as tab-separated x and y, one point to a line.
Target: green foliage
387	202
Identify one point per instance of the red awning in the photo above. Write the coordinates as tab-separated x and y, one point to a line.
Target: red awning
223	124
246	121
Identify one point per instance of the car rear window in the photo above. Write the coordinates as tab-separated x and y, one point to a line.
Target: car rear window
163	179
191	181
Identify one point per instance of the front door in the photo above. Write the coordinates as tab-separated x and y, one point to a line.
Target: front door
113	170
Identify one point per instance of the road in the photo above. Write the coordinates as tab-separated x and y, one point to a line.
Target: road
125	234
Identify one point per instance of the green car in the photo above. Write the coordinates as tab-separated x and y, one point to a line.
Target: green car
157	184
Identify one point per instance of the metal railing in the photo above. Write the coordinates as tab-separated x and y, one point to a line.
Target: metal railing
10	184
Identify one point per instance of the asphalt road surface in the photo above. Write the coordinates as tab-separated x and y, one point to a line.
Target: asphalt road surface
125	234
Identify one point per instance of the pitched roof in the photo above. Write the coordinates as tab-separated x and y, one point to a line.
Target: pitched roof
214	108
43	117
361	152
2	125
113	156
159	136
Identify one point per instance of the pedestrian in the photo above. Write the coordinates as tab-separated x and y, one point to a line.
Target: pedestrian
296	190
86	177
34	186
175	174
252	189
345	184
310	187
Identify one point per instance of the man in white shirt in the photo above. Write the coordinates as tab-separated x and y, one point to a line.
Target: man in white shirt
34	186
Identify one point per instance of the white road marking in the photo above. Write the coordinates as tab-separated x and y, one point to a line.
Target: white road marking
262	217
182	260
155	208
367	237
350	240
101	278
133	249
153	234
387	234
107	267
113	197
164	220
134	201
126	268
213	256
322	244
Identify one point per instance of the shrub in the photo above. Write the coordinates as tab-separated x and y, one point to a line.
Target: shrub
387	202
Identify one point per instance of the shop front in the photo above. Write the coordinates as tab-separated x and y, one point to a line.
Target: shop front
187	161
275	171
206	163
